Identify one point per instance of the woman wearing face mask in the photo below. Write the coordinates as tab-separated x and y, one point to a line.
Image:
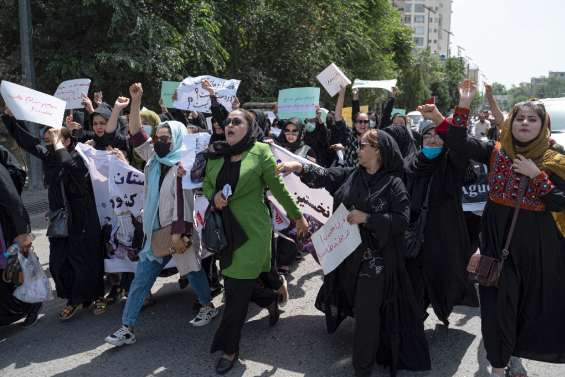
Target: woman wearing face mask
372	284
438	268
247	167
76	262
292	139
165	204
523	316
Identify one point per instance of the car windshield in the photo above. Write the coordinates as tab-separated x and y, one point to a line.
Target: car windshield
556	109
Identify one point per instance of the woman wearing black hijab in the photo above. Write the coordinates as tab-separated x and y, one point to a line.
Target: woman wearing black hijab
438	272
372	284
292	139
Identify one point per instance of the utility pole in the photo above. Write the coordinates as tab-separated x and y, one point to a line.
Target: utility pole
448	45
28	79
428	27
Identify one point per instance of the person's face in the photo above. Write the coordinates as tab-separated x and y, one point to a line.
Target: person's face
99	125
192	130
163	134
217	129
482	117
361	123
526	125
432	139
398	120
291	133
236	127
368	155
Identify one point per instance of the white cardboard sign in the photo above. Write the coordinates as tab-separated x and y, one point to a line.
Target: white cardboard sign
375	84
191	96
72	91
193	144
33	106
336	240
332	79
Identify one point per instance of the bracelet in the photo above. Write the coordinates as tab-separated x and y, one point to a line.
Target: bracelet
461	116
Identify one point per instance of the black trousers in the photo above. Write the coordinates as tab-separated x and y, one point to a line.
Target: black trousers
238	294
367	307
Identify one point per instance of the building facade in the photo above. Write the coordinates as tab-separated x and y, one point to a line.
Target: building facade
431	22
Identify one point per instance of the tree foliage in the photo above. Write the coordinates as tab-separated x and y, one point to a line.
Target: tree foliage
268	44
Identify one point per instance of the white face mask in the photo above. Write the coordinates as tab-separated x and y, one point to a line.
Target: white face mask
148	129
371	124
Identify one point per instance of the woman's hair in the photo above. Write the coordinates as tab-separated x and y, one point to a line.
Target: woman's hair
66	133
372	137
294	121
361	113
247	115
535	105
401	116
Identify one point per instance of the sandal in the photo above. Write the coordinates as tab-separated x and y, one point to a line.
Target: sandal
69	311
100	307
115	294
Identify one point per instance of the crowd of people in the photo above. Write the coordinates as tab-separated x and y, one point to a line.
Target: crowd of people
401	183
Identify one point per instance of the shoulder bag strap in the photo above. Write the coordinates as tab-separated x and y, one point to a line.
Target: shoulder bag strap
523	185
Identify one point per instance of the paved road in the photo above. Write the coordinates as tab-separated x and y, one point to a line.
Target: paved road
168	346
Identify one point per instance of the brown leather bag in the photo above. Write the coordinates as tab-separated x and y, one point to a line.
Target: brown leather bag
486	270
162	242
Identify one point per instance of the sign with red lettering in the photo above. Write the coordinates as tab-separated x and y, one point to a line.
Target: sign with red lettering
33	106
336	240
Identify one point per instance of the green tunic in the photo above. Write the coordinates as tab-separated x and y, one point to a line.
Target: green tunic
249	208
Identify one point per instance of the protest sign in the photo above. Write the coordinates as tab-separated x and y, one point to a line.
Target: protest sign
332	79
125	187
316	202
191	96
192	144
298	102
398	111
168	88
71	91
336	240
475	194
376	84
33	106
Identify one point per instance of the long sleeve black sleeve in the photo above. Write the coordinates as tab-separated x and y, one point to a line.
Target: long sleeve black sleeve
219	112
317	177
24	138
468	147
10	162
11	201
555	199
355	109
387	112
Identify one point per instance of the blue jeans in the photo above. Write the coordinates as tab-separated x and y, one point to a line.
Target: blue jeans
145	276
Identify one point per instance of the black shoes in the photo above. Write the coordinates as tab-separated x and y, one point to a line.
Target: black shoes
274	312
224	365
33	316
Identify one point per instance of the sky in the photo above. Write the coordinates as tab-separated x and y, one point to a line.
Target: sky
510	40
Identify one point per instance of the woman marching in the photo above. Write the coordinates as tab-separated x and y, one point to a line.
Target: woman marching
372	284
523	315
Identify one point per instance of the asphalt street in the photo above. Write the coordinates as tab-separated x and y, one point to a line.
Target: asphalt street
168	346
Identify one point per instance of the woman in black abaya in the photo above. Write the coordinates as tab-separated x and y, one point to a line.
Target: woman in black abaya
372	284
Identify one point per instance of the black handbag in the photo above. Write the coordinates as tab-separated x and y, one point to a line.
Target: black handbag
58	220
213	235
414	234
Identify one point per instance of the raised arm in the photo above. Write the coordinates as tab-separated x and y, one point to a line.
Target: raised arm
339	105
315	176
386	119
120	104
355	105
498	116
219	112
23	137
135	91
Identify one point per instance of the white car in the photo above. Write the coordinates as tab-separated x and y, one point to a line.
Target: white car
556	109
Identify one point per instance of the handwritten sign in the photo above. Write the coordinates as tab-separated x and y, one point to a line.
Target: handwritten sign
336	240
72	91
191	96
33	106
126	185
376	84
332	79
193	144
298	102
168	88
316	202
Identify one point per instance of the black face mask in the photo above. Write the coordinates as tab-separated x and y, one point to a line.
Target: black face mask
50	148
162	149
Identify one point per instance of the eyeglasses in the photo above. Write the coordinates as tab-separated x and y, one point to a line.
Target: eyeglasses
234	121
362	121
291	132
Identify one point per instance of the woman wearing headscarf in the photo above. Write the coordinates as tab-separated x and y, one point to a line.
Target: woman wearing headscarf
14	228
165	205
247	167
434	178
372	284
292	139
402	135
76	262
523	315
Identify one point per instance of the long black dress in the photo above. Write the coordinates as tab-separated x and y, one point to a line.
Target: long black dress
76	262
372	283
14	221
438	273
524	316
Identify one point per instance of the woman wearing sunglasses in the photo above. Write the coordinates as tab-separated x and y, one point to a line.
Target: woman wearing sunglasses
247	167
372	283
292	139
